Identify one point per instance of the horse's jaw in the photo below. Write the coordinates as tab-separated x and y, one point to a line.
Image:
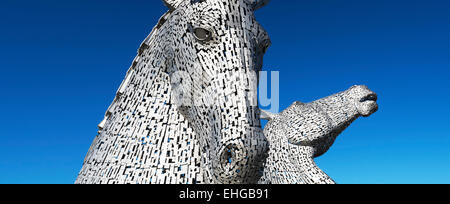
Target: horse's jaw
233	144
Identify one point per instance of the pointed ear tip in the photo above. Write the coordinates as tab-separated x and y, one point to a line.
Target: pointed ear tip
260	3
265	115
172	4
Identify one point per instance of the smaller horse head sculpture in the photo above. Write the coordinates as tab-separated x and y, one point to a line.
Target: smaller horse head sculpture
213	53
306	131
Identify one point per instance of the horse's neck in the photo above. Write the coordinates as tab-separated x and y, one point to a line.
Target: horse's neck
302	158
145	139
175	143
292	164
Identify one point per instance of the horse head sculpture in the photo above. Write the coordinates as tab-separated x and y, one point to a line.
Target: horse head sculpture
187	109
303	132
213	53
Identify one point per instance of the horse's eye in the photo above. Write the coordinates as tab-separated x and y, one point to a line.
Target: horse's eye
202	34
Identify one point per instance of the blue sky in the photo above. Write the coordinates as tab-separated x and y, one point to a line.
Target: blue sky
62	62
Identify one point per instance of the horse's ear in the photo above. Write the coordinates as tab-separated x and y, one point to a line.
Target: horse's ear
266	115
257	4
172	4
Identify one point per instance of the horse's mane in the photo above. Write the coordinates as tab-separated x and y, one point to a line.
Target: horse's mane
155	29
144	45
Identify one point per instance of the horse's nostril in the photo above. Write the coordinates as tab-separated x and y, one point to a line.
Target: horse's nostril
371	97
228	155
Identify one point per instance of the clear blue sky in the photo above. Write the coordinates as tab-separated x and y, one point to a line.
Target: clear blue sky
62	62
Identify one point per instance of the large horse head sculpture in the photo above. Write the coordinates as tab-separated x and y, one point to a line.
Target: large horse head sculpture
187	109
213	51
